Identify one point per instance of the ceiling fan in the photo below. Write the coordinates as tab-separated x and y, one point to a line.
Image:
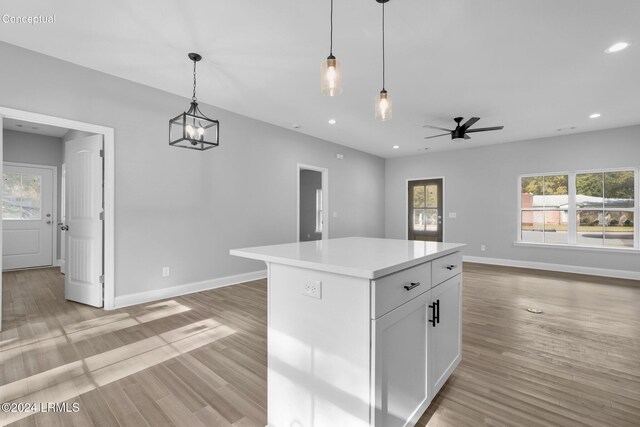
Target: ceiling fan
461	131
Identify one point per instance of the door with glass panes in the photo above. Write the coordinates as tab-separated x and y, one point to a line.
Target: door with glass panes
425	210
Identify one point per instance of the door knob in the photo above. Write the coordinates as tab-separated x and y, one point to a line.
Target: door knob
63	227
49	222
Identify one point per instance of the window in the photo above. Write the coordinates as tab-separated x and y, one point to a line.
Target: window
544	207
591	208
319	210
605	208
21	197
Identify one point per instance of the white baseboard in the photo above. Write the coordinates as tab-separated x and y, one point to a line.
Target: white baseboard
592	271
174	291
57	262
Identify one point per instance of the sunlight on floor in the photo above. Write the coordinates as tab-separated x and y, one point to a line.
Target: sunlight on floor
72	379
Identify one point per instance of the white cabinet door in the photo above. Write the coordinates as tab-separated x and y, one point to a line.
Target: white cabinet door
445	343
401	390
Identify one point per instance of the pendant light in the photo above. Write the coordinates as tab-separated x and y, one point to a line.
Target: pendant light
383	100
192	129
330	69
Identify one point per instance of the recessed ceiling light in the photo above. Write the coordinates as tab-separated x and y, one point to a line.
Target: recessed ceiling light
617	47
332	121
594	115
296	126
395	147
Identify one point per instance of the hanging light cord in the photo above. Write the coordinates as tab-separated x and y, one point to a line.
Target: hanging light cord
383	63
193	98
331	32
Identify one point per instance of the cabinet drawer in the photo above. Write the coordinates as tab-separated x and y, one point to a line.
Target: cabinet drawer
445	268
391	291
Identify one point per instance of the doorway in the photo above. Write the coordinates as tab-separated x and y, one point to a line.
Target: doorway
95	178
425	210
312	214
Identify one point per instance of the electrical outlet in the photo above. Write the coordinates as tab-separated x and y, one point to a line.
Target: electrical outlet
453	214
313	289
166	271
483	248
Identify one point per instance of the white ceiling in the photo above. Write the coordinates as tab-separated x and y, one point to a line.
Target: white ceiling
37	128
532	66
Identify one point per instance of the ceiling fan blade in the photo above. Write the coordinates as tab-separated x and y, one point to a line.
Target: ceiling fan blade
436	136
436	127
470	123
485	129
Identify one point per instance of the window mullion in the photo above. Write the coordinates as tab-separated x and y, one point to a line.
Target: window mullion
573	215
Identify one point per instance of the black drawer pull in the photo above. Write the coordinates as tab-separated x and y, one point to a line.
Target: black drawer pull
413	285
451	267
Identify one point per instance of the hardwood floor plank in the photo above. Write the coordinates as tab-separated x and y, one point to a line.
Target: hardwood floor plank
165	363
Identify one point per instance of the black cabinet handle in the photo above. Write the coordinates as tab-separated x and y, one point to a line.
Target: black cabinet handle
413	285
433	314
451	267
437	304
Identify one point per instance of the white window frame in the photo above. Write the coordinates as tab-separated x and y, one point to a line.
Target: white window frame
571	230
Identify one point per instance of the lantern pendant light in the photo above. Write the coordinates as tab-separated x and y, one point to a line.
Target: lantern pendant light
383	100
192	129
330	69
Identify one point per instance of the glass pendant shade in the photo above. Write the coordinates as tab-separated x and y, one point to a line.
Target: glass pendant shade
331	76
383	106
193	130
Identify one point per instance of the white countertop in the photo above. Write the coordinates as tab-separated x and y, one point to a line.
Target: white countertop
365	257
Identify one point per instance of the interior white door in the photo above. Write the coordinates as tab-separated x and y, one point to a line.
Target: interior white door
27	216
83	226
63	219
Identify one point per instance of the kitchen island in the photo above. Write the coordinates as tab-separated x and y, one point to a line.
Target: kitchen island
361	331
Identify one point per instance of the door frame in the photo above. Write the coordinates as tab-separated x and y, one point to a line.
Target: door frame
54	209
406	205
325	198
108	134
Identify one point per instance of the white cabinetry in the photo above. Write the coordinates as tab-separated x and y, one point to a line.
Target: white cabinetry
445	334
400	361
375	345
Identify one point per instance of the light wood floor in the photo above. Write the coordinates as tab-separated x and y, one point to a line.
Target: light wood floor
200	360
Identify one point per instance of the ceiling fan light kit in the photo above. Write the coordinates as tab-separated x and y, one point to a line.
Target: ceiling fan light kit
192	129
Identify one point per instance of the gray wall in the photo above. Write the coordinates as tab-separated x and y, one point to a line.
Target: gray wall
186	209
310	181
481	186
22	147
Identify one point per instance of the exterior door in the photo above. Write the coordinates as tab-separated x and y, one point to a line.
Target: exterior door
425	210
83	226
27	216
